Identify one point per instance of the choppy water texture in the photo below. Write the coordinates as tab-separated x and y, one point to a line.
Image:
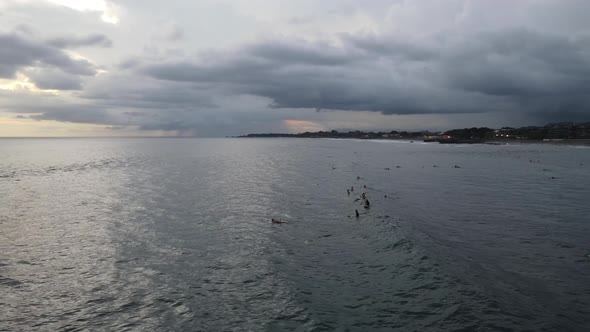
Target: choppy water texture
175	235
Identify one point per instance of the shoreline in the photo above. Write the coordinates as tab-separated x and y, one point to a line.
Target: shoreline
571	142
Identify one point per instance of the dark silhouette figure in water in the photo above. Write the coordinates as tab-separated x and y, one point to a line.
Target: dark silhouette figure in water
277	221
367	204
352	189
348	192
356	212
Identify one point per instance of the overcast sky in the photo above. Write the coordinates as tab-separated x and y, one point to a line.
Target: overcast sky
230	67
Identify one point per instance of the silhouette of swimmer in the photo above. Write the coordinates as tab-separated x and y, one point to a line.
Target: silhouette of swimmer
356	212
363	196
352	189
367	204
277	221
348	192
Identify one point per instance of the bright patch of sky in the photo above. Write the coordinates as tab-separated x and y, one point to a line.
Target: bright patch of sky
107	9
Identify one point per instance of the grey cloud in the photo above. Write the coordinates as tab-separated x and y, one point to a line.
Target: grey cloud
391	47
68	112
211	122
237	115
445	60
520	63
135	113
52	79
95	116
176	35
169	33
144	93
510	70
24	29
129	63
62	83
301	52
18	52
55	107
74	42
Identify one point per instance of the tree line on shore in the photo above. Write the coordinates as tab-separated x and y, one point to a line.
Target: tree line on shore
562	130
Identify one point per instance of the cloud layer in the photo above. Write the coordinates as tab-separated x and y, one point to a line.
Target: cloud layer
238	66
18	52
514	70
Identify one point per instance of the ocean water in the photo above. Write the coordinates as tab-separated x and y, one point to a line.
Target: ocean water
175	235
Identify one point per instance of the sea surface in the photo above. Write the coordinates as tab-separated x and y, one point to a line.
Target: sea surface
175	235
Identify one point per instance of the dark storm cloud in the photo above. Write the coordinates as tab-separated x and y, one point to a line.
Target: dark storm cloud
325	78
511	70
520	63
17	51
74	42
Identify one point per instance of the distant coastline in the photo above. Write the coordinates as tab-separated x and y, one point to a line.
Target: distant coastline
554	133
